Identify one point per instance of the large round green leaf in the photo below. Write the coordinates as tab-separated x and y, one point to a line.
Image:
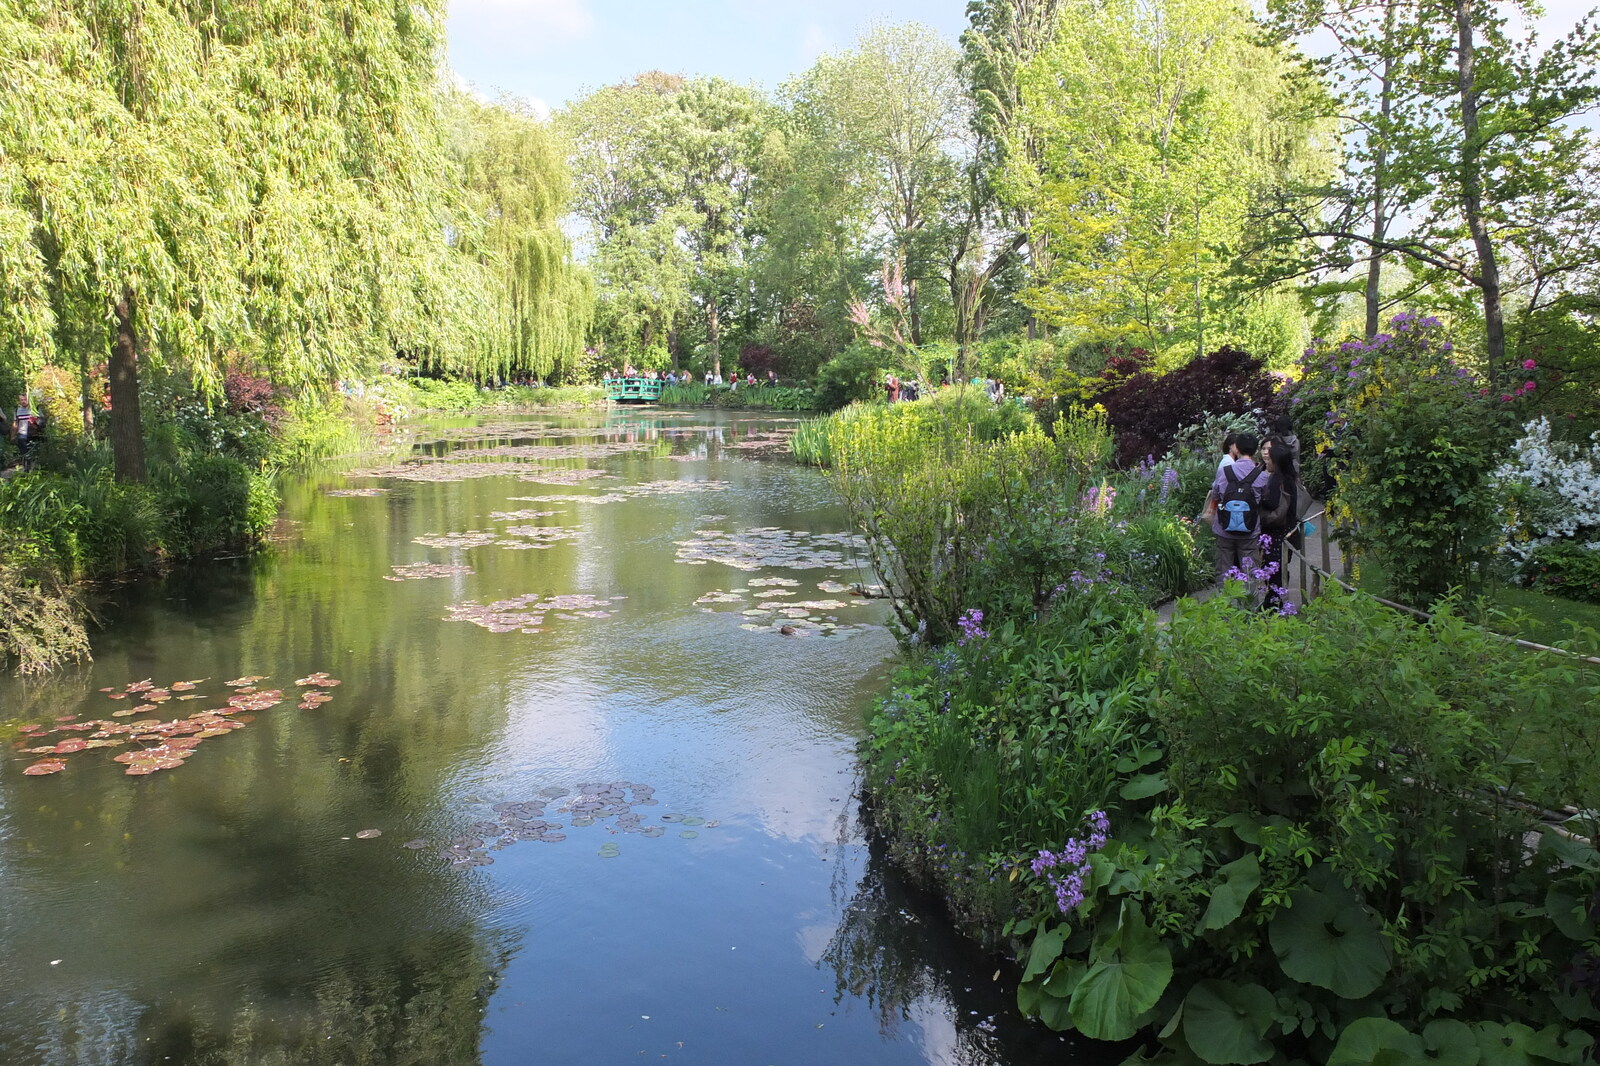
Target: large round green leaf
1376	1042
1227	1023
1330	940
1128	972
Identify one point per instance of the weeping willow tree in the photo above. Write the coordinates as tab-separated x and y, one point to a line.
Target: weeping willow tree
516	188
181	182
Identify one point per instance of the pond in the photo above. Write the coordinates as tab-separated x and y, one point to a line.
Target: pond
532	744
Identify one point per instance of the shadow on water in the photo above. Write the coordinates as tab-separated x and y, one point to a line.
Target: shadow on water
896	951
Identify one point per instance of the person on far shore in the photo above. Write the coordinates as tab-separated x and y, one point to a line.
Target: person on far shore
772	379
750	380
1237	529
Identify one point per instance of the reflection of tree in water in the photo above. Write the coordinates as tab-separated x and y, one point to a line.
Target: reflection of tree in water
896	948
421	1006
424	1005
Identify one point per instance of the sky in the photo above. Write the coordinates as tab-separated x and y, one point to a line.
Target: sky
551	51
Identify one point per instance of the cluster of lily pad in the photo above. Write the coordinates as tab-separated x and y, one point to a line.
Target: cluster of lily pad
164	744
423	571
517	538
526	613
632	492
769	546
606	804
357	492
774	612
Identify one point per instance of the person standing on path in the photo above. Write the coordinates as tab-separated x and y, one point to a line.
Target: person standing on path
22	430
1238	518
1281	510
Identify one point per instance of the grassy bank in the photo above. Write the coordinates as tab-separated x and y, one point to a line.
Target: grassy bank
211	485
760	397
1242	837
401	397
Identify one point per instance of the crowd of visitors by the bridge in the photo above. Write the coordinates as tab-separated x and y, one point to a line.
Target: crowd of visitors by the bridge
713	380
1256	505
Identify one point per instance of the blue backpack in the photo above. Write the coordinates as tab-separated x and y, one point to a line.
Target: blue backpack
1239	510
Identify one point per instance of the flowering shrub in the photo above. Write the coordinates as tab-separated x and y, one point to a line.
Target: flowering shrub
1552	492
1414	437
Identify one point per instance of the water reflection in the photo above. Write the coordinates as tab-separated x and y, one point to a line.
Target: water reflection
226	912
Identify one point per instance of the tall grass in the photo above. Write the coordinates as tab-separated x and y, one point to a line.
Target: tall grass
941	414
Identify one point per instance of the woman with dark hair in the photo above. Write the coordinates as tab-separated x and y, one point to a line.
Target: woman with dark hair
1281	507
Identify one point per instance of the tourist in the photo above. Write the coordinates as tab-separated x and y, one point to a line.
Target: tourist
1237	519
750	380
1282	504
772	379
22	429
686	378
1283	431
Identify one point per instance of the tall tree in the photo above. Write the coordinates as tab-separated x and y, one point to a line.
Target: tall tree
1002	36
708	147
895	108
1472	130
1140	198
517	186
183	182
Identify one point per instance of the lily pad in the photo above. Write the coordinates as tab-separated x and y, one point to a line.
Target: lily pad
45	766
368	834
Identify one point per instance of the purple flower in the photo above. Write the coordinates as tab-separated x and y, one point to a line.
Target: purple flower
971	624
1075	853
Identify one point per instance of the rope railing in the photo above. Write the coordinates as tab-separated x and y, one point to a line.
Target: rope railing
1325	573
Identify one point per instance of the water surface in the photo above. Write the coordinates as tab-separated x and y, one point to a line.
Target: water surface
226	911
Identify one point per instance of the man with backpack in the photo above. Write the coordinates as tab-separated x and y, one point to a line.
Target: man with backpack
1237	521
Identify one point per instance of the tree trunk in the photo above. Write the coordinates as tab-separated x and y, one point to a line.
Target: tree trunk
915	313
127	430
714	334
1472	194
672	345
1380	179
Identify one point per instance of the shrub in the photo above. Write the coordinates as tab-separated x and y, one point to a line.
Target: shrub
1418	440
1148	409
1564	569
852	376
212	501
1551	492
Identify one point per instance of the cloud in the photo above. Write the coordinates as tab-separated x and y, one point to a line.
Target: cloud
561	19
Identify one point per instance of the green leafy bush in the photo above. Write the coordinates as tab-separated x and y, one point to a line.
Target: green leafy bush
1309	824
1565	569
212	501
1419	441
852	376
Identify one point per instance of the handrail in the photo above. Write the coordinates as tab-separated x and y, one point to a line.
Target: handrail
1325	573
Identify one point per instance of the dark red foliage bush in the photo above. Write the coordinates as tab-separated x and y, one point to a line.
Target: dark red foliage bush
1147	409
247	394
757	359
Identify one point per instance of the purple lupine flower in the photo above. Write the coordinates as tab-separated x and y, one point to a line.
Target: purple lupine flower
1169	481
1074	854
971	623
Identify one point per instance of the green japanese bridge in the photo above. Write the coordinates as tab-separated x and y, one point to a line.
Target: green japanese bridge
633	390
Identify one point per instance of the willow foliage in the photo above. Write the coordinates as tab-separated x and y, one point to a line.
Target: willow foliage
516	188
280	180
